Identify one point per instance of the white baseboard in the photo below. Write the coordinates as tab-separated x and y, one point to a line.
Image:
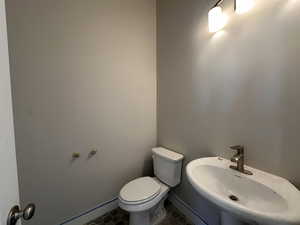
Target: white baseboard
93	213
184	208
108	206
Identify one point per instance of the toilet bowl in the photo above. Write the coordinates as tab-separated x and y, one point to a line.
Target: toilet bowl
144	197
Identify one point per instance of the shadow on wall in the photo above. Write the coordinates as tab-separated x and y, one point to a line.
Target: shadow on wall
209	213
148	167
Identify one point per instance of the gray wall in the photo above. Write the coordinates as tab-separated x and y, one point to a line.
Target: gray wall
239	86
83	77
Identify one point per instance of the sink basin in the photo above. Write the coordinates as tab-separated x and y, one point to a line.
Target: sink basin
261	198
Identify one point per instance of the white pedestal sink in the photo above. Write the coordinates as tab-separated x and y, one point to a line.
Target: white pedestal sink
261	198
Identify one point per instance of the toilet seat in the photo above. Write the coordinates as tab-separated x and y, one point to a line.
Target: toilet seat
140	190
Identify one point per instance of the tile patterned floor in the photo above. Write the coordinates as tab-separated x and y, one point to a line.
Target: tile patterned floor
120	217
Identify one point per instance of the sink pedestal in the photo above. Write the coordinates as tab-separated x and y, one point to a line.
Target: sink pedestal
229	219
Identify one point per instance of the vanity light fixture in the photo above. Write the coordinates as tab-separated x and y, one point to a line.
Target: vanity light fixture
216	18
243	6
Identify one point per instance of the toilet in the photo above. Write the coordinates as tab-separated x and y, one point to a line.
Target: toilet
144	197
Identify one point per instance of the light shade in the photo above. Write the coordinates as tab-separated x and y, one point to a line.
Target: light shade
216	19
243	6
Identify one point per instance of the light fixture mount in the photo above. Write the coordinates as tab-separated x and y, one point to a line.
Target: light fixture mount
217	4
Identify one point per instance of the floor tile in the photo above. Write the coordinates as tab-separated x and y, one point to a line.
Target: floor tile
121	217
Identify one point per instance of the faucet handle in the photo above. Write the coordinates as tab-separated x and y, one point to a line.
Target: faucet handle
238	148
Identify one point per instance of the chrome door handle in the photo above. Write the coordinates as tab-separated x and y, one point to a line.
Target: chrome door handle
16	213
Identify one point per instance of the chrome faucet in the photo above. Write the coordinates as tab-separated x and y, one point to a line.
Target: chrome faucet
239	158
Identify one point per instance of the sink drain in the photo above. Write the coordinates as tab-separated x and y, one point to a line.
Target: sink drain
233	198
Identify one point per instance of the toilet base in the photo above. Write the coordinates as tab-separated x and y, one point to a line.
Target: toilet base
152	216
136	218
158	213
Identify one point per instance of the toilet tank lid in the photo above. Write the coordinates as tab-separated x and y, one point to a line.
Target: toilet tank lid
167	154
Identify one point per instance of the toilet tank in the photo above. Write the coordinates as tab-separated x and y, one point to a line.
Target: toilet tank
167	166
